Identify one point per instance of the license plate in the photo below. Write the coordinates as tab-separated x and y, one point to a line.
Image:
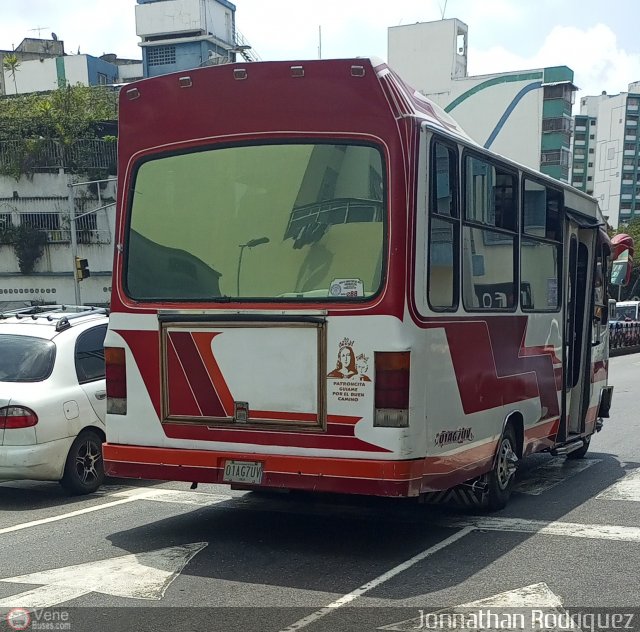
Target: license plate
242	472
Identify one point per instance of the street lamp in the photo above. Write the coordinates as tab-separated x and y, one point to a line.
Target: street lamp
250	244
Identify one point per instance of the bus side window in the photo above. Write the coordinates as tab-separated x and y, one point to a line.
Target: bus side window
540	247
442	259
489	235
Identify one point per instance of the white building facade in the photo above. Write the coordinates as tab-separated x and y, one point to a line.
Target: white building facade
524	115
606	153
42	202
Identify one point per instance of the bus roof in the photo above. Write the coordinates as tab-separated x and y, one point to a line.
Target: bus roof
280	98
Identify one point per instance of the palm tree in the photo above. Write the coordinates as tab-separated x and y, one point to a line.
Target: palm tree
11	63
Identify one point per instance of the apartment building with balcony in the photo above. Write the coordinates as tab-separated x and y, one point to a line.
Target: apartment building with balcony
35	215
524	115
184	34
606	152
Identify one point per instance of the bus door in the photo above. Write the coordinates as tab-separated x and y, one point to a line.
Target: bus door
579	248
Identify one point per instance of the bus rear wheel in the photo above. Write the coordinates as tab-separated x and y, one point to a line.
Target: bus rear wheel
501	479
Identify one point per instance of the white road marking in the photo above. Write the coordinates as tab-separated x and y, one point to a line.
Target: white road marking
199	499
536	596
543	478
627	488
540	527
348	598
73	514
246	502
139	576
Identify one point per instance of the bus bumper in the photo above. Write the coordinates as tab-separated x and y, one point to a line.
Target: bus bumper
319	474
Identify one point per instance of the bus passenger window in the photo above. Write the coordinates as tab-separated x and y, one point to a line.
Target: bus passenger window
441	264
444	226
487	269
489	236
541	247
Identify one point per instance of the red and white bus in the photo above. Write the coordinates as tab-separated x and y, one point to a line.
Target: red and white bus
321	283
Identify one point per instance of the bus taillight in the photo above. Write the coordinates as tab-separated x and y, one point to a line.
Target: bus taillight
392	389
116	375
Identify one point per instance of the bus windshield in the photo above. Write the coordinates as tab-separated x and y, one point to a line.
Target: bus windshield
626	312
276	222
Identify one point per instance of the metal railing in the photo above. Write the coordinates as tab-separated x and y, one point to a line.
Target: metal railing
55	225
624	335
243	47
33	155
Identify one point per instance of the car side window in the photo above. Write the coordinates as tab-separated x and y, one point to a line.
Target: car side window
90	354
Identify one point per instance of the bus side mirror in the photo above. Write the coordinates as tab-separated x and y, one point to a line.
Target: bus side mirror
612	309
621	270
622	254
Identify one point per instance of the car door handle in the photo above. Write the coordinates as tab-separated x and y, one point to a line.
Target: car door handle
101	394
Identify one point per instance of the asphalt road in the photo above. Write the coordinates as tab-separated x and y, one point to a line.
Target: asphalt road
162	557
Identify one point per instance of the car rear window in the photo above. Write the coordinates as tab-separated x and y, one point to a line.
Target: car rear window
25	358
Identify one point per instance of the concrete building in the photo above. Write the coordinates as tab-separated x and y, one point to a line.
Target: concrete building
524	115
606	152
42	75
43	65
43	202
183	34
30	49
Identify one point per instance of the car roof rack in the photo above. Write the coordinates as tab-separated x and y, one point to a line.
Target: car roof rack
62	313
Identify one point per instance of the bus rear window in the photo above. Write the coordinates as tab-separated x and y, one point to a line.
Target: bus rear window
274	222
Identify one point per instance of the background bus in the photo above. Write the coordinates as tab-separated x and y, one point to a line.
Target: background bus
628	311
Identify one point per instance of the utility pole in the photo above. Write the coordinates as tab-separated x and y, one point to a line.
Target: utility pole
320	42
74	239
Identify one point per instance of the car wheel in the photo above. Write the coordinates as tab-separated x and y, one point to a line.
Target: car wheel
580	452
84	469
501	479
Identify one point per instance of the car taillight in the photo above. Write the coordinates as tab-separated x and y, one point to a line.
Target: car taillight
12	417
392	389
116	376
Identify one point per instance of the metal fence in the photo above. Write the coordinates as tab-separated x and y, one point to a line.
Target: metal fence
78	156
624	336
90	227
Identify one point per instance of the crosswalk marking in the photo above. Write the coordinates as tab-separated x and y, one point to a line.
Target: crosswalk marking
555	471
627	488
541	527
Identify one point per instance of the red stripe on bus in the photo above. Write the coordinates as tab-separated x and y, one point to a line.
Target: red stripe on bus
492	369
600	370
205	393
182	401
145	348
204	342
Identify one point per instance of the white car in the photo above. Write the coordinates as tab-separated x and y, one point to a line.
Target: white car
53	396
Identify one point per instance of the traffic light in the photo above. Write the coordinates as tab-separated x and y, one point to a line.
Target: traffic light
82	269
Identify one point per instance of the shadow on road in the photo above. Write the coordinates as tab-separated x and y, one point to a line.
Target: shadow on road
329	543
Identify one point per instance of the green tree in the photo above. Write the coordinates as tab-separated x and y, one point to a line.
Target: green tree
66	114
11	64
28	243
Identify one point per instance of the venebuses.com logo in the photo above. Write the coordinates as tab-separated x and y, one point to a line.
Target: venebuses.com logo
23	619
18	619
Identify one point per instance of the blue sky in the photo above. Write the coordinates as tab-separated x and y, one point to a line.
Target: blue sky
597	39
